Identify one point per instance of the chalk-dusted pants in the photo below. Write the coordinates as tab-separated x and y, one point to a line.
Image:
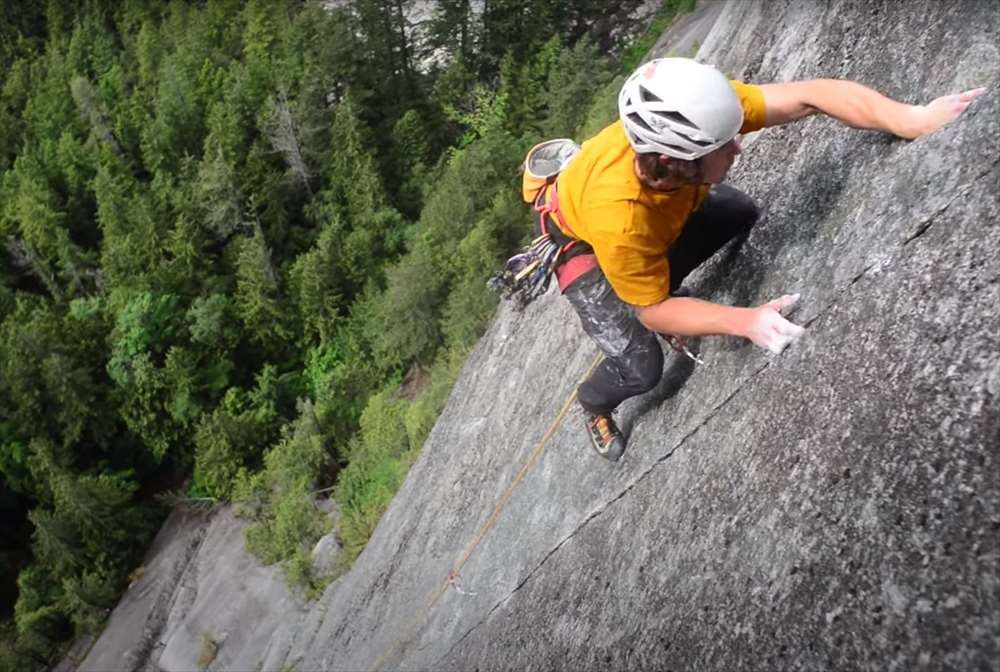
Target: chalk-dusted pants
633	359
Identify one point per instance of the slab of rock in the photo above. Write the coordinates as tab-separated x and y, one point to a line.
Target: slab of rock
203	602
229	599
133	630
837	507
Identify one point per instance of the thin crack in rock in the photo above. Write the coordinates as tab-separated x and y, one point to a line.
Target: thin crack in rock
960	192
597	512
924	227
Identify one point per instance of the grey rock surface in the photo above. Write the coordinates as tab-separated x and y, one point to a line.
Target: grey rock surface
133	630
837	507
325	554
229	597
688	31
198	582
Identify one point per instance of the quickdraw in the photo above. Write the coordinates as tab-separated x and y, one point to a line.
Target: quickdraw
527	275
453	582
679	345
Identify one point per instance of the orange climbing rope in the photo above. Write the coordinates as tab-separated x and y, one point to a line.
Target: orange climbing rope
451	581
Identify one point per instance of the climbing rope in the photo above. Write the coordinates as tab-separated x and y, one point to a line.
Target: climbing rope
452	579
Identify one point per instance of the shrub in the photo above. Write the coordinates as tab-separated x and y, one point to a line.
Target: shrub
376	467
280	499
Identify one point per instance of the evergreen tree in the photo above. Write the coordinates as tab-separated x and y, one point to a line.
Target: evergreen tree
318	283
259	299
211	210
453	29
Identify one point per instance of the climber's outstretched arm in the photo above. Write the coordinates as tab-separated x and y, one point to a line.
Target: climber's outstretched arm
861	107
685	316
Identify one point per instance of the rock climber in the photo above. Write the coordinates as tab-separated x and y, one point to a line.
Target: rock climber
646	197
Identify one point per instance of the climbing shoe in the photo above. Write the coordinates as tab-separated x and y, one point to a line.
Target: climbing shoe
605	436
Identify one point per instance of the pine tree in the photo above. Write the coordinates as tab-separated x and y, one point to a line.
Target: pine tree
319	283
453	29
259	299
353	173
219	198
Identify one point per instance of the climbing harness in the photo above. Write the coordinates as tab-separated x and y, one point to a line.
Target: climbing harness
527	275
555	251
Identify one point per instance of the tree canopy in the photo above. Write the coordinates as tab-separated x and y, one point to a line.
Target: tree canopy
232	236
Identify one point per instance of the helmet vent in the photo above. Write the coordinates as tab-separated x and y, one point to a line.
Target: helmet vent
648	96
639	121
677	118
700	143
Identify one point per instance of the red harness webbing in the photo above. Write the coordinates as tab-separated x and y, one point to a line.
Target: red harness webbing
568	271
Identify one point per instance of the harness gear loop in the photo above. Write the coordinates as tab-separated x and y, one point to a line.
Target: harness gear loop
527	275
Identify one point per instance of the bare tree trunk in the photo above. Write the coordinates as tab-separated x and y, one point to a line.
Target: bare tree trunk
93	112
285	138
26	259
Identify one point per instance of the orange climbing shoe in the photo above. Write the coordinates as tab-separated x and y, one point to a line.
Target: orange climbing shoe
605	436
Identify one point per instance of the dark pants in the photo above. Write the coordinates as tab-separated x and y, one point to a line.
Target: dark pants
633	359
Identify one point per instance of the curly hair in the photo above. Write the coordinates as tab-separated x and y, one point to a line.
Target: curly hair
675	171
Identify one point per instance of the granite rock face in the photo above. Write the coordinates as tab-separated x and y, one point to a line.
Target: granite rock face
836	507
201	597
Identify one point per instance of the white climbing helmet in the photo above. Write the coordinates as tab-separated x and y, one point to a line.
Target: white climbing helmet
679	107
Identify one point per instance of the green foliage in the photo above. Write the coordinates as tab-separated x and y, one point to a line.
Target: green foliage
259	299
13	656
470	302
318	282
352	171
668	11
427	404
89	595
146	369
235	435
81	548
281	502
487	113
211	210
50	370
146	325
572	79
603	109
411	146
218	195
211	323
377	461
41	623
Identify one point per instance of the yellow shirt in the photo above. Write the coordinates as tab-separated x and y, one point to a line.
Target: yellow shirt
630	226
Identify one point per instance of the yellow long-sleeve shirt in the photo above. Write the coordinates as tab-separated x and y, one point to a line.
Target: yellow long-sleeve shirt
629	225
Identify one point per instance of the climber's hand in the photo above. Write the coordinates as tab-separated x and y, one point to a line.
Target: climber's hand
935	114
768	329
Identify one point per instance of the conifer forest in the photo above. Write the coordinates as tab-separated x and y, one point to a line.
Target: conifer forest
244	247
